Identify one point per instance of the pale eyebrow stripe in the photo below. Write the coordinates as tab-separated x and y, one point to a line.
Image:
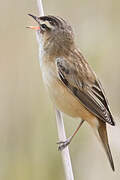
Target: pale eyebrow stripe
47	24
56	21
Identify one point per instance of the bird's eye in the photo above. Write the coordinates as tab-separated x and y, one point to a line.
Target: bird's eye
44	26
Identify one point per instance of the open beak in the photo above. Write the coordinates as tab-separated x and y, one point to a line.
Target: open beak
36	19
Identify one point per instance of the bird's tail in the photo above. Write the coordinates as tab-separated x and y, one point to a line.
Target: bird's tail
103	138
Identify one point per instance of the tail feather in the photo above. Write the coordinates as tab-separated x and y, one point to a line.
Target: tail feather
102	133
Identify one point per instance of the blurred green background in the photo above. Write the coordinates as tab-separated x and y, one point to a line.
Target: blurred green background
28	132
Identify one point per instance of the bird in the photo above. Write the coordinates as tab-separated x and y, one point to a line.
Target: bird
72	85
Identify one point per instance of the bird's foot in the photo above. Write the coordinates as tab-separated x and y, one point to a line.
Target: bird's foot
63	144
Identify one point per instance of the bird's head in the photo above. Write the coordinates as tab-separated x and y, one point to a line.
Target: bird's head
56	33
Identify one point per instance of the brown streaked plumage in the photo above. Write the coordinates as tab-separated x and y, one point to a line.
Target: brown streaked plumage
70	81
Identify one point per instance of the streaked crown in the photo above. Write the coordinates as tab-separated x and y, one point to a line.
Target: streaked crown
57	33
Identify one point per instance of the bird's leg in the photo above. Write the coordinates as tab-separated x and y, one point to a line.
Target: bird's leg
63	144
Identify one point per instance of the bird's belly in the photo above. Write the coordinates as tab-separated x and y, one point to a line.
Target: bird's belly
63	98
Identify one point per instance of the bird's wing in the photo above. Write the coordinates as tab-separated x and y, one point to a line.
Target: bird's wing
82	83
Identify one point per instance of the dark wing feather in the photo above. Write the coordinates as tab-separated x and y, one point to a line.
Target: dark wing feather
90	94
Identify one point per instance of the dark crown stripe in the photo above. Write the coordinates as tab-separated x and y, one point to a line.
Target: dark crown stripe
52	20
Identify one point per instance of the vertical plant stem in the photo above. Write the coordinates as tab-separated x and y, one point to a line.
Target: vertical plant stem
40	7
65	153
60	126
